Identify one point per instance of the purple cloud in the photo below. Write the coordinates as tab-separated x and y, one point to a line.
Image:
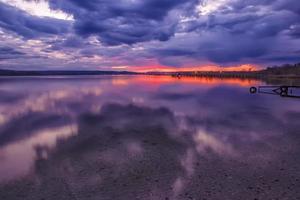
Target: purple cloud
176	33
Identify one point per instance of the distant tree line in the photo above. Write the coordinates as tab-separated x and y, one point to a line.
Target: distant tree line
287	69
61	73
284	71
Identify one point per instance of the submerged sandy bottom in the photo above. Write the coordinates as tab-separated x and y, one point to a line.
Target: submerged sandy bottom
114	157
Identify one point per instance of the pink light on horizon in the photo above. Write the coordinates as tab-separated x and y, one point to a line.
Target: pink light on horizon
162	68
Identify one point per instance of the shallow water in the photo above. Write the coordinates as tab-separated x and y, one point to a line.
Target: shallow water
146	137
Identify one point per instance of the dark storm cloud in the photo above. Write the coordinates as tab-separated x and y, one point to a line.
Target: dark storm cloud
295	30
9	50
291	5
242	31
284	58
275	5
9	53
123	22
251	24
175	52
71	42
28	26
218	47
234	48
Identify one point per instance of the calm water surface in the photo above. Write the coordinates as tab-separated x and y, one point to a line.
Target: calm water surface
136	137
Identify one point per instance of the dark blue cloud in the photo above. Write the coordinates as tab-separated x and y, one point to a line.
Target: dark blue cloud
295	30
28	26
123	22
243	31
9	53
66	42
146	9
218	47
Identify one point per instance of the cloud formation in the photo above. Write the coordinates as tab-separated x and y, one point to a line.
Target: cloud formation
28	26
9	53
176	33
124	22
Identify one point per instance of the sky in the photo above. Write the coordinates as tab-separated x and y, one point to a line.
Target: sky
148	35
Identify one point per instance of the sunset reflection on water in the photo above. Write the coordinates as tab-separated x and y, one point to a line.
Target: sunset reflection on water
206	81
127	137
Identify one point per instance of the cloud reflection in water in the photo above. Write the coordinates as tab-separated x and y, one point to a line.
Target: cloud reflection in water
182	141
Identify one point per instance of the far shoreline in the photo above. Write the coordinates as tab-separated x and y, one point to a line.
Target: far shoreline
284	72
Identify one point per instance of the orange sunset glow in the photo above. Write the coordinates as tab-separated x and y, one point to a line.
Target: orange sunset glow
161	68
206	81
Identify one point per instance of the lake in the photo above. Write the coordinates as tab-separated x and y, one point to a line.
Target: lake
146	137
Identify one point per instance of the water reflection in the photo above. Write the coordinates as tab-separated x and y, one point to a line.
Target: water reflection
145	138
19	157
